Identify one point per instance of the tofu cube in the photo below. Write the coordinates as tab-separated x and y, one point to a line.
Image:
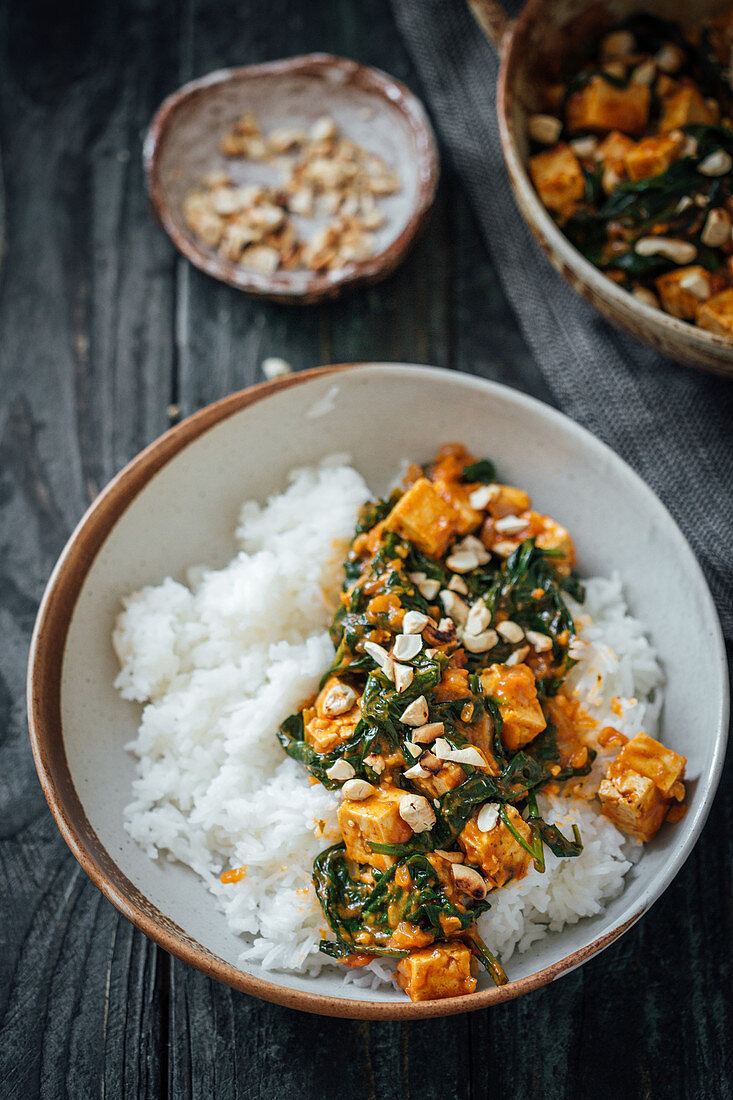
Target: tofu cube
547	533
456	494
680	300
558	177
324	730
683	106
611	153
653	760
614	149
408	936
497	852
326	734
716	315
509	501
633	803
375	819
453	684
331	699
515	691
446	476
422	516
653	155
436	784
601	106
443	970
640	784
550	535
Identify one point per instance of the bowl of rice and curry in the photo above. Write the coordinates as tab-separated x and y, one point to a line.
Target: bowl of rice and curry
617	129
406	733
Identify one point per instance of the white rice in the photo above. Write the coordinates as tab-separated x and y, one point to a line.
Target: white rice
221	661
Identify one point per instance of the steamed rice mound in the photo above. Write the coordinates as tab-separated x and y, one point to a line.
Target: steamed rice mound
221	661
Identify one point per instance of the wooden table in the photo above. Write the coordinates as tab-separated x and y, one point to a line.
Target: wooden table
107	335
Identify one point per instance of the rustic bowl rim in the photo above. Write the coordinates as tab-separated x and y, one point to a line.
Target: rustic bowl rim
319	285
564	254
44	718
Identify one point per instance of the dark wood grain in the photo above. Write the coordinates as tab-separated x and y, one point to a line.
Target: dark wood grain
85	377
104	329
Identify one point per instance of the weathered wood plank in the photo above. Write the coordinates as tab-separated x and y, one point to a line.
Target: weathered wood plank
225	1044
405	318
222	335
85	374
486	340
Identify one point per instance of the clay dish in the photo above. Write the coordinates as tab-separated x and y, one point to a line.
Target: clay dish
369	107
530	48
176	505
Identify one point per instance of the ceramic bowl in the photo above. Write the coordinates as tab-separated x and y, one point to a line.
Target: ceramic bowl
530	48
176	505
369	107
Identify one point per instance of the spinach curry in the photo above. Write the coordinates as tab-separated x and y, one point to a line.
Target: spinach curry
634	160
440	723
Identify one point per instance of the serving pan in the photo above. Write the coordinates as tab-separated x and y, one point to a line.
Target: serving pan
176	505
530	48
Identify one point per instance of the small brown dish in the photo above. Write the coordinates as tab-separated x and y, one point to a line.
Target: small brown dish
368	106
530	47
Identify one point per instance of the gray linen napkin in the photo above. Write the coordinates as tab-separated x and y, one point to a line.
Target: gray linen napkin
674	425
